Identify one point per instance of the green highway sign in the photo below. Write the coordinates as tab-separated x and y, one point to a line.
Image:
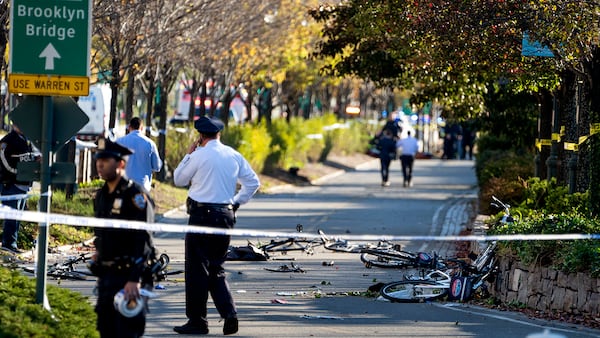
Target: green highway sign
50	37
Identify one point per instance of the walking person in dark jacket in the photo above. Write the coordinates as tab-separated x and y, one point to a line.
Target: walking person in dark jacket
387	148
14	148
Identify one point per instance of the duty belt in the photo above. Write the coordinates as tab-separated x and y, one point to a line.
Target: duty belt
193	204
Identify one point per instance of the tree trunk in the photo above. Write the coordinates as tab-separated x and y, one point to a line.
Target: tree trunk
225	103
161	112
544	132
115	81
128	106
193	94
594	142
567	98
150	102
583	123
203	94
248	103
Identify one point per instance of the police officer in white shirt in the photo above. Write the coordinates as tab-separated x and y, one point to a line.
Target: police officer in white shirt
212	170
409	146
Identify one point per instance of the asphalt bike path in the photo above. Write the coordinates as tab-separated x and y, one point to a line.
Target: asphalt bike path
327	299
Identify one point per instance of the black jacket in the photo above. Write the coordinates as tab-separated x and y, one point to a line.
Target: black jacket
14	148
127	202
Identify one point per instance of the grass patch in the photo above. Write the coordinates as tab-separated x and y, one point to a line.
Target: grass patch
72	315
166	197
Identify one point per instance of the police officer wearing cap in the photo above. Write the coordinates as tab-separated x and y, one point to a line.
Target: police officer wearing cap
212	170
121	255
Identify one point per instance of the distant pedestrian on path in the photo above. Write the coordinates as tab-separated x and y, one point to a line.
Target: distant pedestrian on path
392	126
212	170
410	147
145	158
387	147
468	141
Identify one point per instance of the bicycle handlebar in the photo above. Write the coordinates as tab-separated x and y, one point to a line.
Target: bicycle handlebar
499	204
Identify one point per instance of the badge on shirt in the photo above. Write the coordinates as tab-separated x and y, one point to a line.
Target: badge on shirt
139	200
117	204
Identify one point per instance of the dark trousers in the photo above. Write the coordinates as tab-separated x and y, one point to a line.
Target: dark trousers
204	259
10	231
111	324
407	162
385	168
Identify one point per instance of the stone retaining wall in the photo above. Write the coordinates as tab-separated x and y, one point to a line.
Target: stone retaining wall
546	289
541	288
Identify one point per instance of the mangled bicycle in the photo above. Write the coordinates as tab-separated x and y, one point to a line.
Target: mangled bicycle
458	281
70	269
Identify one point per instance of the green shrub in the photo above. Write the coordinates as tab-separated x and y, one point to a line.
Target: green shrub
283	144
583	255
547	196
503	163
71	314
313	143
349	138
253	142
80	204
178	141
568	256
508	191
541	207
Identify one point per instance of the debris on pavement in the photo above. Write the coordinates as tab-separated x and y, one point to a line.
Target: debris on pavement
285	268
321	317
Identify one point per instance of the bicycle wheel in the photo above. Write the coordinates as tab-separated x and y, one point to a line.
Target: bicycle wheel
342	246
387	262
411	291
389	258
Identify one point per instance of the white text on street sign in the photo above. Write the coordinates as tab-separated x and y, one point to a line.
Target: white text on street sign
50	37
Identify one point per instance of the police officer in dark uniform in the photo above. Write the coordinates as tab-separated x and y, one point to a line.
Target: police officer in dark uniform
212	170
14	148
122	255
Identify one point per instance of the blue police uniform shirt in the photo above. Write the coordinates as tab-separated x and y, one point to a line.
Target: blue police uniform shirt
213	171
143	161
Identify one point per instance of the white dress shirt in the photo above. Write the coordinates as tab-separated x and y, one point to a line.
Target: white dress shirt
213	172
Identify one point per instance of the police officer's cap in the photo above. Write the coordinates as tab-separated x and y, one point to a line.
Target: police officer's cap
108	149
208	125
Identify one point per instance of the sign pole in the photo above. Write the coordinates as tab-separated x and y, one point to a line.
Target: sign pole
49	55
44	206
